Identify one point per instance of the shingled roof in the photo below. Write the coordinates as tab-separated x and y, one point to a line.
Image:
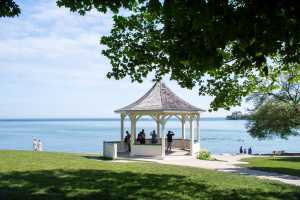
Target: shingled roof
160	98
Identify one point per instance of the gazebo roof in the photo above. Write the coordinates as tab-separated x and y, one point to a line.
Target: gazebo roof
160	98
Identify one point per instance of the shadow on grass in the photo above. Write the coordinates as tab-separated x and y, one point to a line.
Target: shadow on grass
93	157
288	165
287	159
279	170
103	184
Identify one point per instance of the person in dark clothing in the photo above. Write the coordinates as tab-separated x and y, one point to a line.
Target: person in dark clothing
127	140
241	149
143	137
139	138
249	151
153	137
169	140
245	151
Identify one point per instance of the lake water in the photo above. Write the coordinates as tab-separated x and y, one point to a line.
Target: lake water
217	135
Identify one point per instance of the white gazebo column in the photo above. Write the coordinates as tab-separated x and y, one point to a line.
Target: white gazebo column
183	127
133	129
163	137
157	119
122	126
191	135
197	129
183	119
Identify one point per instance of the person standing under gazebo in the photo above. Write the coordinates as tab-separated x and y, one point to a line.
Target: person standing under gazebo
153	137
143	137
128	141
170	140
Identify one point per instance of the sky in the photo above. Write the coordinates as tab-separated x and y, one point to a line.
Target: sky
51	66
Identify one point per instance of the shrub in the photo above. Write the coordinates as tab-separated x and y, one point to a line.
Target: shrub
203	155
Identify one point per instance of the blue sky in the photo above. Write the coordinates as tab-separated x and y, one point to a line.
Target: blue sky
51	66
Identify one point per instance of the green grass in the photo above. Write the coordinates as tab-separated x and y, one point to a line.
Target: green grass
58	176
284	165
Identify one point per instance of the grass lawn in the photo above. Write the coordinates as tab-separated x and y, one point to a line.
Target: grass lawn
284	165
41	175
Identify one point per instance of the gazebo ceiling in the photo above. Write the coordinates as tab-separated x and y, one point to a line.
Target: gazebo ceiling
160	98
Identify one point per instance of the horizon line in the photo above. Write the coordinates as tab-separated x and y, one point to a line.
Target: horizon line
82	118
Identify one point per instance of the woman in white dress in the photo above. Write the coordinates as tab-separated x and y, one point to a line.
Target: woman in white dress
34	145
40	145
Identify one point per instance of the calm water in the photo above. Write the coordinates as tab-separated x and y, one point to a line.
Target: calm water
217	135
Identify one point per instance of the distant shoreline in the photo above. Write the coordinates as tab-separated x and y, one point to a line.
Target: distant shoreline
92	119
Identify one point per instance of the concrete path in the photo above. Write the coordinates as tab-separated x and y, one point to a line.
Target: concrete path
226	163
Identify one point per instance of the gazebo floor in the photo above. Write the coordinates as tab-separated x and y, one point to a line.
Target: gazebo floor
174	153
178	152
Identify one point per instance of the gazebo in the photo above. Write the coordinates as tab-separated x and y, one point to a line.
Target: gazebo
160	103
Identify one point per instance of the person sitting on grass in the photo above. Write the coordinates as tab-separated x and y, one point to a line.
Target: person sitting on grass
170	140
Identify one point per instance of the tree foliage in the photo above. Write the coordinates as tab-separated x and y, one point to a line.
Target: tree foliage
277	109
83	6
274	119
219	46
8	8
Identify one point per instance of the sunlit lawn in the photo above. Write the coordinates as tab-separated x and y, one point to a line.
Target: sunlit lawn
39	176
284	165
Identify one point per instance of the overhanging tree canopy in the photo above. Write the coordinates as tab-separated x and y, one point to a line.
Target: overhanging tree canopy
8	8
220	45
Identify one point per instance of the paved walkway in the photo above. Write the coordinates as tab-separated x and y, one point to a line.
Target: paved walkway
226	163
